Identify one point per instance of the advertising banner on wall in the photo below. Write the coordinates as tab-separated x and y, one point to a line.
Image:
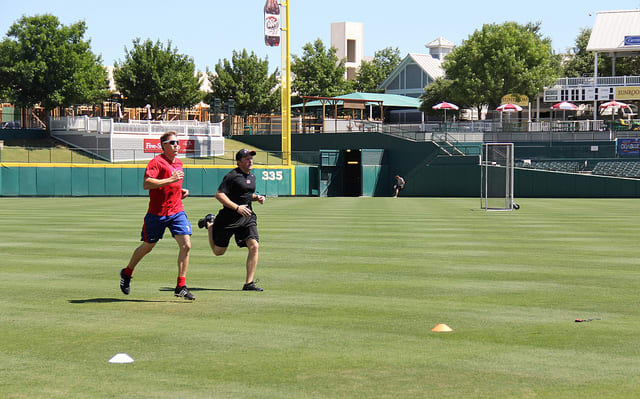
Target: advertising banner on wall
518	99
153	145
272	23
628	147
628	93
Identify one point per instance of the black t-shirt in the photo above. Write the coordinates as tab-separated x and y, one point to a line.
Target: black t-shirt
239	187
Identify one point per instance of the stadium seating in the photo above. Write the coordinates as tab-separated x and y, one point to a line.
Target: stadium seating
602	168
618	168
558	166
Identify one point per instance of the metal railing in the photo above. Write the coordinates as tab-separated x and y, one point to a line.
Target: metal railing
107	125
591	81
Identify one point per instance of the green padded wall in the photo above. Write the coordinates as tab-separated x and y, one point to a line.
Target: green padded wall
127	181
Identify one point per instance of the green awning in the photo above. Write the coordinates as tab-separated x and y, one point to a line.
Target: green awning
388	100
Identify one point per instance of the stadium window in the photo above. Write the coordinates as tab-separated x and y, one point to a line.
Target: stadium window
394	83
351	51
414	77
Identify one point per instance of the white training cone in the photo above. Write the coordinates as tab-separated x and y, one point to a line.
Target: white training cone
121	358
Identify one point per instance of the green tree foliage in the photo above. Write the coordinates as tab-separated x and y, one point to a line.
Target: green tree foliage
318	72
629	66
579	61
45	62
153	74
501	59
373	73
245	79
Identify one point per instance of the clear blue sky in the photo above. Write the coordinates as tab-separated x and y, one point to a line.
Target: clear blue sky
209	31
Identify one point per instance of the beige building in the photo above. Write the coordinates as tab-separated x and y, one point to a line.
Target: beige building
347	38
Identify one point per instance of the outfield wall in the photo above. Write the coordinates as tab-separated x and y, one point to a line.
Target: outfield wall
425	173
126	180
458	176
22	134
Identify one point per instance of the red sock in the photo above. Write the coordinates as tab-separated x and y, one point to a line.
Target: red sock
182	281
128	272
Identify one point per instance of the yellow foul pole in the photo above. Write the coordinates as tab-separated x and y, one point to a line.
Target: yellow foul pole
285	94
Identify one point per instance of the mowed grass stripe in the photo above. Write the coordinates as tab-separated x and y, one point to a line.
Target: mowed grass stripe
353	287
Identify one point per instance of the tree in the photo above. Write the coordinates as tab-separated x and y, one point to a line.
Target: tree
372	74
629	66
45	62
318	72
501	59
580	61
159	76
245	79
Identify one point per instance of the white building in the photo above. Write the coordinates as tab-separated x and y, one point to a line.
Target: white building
616	34
439	48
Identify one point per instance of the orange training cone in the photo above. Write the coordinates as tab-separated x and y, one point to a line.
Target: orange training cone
442	328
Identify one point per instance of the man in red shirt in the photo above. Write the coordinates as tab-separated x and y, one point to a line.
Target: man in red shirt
163	178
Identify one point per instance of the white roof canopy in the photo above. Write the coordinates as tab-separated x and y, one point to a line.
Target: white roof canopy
616	33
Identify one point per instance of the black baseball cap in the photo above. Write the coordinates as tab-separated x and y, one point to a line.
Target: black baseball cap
243	153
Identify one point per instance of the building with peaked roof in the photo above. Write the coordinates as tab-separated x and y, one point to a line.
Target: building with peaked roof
440	47
412	75
416	71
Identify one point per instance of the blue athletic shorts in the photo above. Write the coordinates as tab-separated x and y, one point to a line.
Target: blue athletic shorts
154	226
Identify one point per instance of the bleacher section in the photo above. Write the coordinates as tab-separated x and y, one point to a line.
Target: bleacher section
618	168
602	168
558	166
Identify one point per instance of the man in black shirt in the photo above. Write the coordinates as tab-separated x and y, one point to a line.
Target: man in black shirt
235	193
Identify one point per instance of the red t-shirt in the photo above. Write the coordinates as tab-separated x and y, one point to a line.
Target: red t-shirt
165	200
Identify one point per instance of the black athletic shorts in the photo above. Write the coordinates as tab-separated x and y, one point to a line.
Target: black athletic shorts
227	225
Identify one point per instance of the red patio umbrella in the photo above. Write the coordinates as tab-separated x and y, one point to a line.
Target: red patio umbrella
613	104
564	106
509	108
445	106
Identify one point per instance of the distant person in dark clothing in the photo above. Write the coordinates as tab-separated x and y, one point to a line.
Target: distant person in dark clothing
398	186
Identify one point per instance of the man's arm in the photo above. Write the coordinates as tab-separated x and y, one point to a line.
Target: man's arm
150	183
243	210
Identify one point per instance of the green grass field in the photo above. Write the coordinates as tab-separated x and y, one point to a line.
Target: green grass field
353	287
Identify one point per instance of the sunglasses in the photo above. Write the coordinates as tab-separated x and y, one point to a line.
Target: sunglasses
171	142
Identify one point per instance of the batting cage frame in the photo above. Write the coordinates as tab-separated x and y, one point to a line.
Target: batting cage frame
496	177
